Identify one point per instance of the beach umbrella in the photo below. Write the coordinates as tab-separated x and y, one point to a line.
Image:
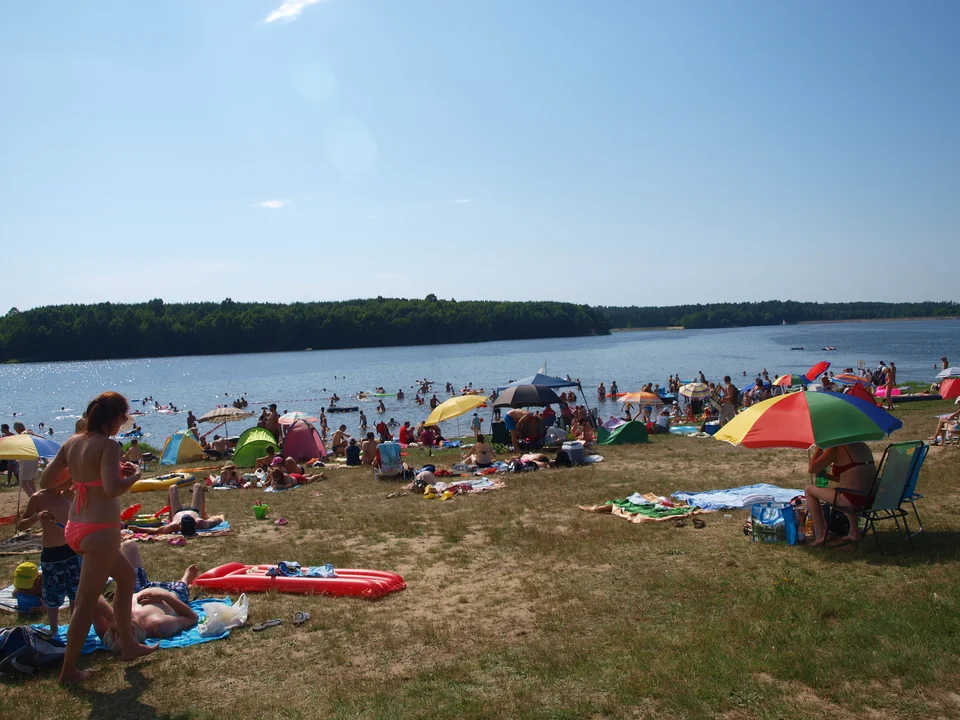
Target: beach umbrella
225	415
850	379
790	380
950	388
27	447
695	390
455	407
950	372
861	391
817	370
800	420
291	417
526	396
642	398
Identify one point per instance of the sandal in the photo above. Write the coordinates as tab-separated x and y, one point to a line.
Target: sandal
281	521
699	524
679	523
267	624
300	617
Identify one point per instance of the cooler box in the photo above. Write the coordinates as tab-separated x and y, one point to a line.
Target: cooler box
574	449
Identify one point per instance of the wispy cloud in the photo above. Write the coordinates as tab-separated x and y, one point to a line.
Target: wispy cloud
272	204
462	201
290	10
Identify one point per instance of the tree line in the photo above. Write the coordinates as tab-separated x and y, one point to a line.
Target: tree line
159	329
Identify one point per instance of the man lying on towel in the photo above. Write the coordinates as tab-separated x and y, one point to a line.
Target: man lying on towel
184	520
158	610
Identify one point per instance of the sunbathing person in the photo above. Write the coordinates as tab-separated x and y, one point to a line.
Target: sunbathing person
184	520
852	466
483	453
230	476
158	609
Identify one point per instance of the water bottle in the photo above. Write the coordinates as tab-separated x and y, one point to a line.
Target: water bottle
822	480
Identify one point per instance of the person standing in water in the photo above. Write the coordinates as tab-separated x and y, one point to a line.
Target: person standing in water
92	460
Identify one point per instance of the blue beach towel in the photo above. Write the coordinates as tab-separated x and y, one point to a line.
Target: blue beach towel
737	498
181	640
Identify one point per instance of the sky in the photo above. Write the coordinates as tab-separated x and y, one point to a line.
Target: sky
615	153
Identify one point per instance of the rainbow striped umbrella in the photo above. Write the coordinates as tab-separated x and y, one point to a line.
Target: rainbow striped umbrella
27	447
799	420
850	379
642	398
790	380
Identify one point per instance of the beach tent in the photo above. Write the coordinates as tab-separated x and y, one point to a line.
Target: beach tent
253	444
180	448
860	390
630	433
303	442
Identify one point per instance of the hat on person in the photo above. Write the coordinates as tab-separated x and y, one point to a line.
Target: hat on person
229	465
25	575
276	461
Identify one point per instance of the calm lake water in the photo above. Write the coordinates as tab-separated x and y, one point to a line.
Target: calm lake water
304	380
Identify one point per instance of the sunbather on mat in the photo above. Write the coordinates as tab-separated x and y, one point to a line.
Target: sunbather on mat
158	610
185	520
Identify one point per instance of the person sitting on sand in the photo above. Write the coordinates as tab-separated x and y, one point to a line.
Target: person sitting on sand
852	466
267	460
340	438
483	453
184	520
368	449
353	453
158	609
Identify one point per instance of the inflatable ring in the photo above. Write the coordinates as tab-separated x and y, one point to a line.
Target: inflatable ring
163	482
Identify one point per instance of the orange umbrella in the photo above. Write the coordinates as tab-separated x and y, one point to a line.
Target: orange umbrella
642	398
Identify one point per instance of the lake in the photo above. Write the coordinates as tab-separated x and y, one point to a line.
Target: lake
304	380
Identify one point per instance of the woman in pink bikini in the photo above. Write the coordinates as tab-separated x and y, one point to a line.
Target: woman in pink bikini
853	468
92	460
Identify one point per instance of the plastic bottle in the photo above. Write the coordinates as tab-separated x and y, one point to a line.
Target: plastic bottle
822	480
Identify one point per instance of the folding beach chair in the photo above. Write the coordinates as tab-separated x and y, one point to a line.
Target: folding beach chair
887	495
910	494
388	463
500	437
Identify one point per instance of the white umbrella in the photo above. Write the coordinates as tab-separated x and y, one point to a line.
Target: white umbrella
225	415
950	372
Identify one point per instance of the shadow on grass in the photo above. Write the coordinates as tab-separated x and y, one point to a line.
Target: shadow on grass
929	548
125	702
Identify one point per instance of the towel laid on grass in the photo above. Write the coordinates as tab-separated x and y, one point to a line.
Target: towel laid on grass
739	497
180	640
8	603
221	529
24	543
636	513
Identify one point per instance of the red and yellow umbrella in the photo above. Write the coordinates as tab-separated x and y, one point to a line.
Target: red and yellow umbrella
802	419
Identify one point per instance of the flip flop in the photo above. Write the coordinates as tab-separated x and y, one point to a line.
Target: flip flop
280	521
267	624
300	617
177	541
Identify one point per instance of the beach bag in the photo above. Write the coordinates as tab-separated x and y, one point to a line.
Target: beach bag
774	523
221	617
24	651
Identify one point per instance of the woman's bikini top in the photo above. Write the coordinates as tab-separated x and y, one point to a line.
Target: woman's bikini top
81	490
839	470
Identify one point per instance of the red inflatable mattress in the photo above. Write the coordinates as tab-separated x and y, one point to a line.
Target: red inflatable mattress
237	577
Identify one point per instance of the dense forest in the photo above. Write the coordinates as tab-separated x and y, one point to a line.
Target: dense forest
772	312
157	329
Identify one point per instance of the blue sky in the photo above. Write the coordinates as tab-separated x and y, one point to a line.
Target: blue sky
609	153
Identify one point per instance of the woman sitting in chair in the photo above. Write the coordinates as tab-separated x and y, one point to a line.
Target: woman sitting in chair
852	466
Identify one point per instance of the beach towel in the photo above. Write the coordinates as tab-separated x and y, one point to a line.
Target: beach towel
181	640
272	489
737	498
221	529
22	544
388	460
634	513
8	603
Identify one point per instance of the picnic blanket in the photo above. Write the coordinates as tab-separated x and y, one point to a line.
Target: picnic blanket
8	603
218	531
22	544
738	498
642	509
183	639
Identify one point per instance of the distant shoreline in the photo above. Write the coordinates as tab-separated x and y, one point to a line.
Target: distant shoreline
802	322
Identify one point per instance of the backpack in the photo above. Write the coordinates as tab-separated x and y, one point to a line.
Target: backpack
737	396
24	651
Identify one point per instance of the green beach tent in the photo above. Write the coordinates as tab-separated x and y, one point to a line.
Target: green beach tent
253	444
629	433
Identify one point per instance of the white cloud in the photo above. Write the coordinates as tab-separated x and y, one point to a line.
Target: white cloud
272	204
462	201
289	10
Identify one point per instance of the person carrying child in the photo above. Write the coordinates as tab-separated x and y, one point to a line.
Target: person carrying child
59	563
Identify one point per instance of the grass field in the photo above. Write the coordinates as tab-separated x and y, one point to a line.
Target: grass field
519	605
